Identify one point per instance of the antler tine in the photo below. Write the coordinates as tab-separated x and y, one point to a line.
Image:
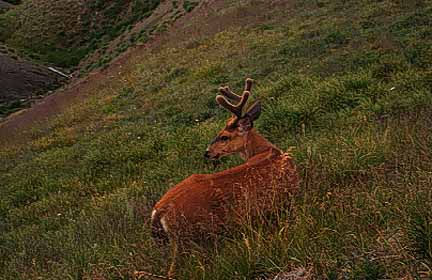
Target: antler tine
228	93
235	109
248	84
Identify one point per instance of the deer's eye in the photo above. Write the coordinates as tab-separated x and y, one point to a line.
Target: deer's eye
224	138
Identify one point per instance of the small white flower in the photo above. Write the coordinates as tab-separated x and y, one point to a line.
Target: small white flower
392	88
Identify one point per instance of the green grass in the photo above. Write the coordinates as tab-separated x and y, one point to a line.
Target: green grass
346	83
189	5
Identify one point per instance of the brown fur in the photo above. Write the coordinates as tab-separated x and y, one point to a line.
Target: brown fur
206	204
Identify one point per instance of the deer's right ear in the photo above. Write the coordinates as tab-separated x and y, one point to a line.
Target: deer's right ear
254	111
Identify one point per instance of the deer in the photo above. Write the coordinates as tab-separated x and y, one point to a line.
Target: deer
205	205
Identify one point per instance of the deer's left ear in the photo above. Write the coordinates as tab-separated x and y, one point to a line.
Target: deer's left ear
254	111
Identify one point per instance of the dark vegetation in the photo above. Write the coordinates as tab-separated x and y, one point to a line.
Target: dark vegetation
348	83
22	82
14	2
64	32
4	6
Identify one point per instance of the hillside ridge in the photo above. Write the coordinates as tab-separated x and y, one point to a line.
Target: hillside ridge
176	34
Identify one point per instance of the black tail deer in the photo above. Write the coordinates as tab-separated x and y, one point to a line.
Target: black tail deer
207	204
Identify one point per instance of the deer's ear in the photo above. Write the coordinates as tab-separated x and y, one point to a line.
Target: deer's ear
254	111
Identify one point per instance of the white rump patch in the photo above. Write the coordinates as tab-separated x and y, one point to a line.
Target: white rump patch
162	221
164	224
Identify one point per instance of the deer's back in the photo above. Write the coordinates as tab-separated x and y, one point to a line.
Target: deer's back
202	202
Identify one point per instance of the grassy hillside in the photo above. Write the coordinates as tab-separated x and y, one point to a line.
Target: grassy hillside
348	83
64	32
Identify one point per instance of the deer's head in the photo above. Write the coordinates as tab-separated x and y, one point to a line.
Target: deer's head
233	138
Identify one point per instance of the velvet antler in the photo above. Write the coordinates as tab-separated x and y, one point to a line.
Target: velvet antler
227	93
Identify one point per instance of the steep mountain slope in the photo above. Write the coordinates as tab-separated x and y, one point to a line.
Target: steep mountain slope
64	32
36	30
81	36
22	82
348	83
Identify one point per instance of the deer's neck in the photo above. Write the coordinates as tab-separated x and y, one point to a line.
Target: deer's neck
256	144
